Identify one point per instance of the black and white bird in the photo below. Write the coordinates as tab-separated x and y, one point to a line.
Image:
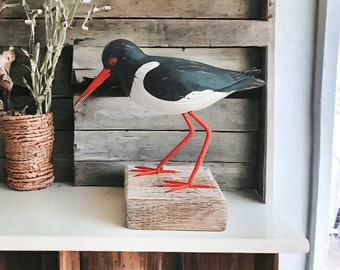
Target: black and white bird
170	85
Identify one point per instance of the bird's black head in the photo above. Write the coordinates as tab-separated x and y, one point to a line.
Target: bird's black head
120	57
121	53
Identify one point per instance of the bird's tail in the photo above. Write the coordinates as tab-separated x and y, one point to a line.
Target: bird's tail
253	71
246	80
239	76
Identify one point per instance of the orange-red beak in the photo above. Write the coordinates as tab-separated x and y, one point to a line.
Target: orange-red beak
101	77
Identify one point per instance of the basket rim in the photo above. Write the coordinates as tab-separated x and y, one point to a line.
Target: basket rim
6	117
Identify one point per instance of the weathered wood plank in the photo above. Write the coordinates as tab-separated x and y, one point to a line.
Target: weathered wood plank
130	260
151	146
149	206
154	33
19	260
3	262
174	33
69	260
28	260
111	173
120	113
229	9
229	58
266	261
49	260
218	261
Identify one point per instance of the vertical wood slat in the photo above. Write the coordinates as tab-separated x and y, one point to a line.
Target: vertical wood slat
130	260
219	261
150	32
265	187
22	260
266	262
135	260
3	263
69	260
28	260
49	260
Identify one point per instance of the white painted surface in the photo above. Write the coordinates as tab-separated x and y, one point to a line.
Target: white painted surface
63	217
294	66
297	181
328	29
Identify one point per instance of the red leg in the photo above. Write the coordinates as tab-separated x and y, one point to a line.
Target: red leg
142	170
177	185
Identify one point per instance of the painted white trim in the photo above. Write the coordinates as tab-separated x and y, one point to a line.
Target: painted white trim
63	217
270	111
327	44
294	61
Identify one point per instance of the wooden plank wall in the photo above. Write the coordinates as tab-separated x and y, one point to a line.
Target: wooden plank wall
232	34
170	261
135	261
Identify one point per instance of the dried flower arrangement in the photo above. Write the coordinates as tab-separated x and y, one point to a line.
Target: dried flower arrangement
58	16
29	138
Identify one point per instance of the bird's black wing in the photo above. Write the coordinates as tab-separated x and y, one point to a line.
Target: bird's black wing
175	78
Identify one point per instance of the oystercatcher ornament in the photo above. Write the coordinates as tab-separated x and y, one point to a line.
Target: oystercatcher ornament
170	86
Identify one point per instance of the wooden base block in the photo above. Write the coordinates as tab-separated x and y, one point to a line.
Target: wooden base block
151	207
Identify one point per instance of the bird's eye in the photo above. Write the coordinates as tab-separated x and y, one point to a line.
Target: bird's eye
113	61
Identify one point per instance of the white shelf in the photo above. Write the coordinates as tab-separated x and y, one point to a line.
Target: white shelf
64	217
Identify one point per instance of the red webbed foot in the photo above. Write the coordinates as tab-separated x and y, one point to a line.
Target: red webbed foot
143	170
177	185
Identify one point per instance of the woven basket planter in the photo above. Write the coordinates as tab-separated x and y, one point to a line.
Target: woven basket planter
28	143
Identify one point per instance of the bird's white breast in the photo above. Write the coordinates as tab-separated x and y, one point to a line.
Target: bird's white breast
194	101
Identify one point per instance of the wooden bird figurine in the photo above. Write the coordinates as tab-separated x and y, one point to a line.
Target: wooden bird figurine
170	86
